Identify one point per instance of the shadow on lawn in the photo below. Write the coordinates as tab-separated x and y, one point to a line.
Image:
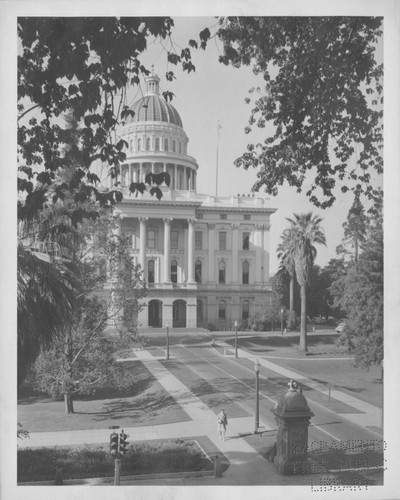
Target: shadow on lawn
151	404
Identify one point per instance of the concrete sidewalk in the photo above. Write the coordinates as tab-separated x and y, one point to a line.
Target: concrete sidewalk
246	465
371	415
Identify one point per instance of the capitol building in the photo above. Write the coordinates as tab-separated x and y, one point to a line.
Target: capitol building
205	258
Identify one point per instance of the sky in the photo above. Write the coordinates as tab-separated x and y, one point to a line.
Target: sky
214	94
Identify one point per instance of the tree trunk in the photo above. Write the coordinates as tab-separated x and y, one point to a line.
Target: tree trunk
303	326
68	403
291	293
291	322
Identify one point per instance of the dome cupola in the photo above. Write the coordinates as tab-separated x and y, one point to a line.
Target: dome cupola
153	107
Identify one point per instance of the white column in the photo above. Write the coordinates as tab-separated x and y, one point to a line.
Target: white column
175	176
191	251
167	250
141	173
265	252
211	256
152	167
157	270
235	252
259	244
142	250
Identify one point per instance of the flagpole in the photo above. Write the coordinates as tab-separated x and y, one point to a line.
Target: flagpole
216	170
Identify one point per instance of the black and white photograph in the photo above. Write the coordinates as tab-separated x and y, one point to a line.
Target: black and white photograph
200	215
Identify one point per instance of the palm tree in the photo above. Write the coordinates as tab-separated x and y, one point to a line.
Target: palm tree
304	232
287	264
44	306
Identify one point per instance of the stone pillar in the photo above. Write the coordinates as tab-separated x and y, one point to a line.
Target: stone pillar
152	167
265	252
292	414
211	257
259	244
142	250
167	314
191	313
141	172
235	253
167	250
191	279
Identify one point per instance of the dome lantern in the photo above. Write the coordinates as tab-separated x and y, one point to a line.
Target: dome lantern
152	83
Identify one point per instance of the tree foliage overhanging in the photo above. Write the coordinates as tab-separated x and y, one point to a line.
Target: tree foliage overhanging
84	66
323	91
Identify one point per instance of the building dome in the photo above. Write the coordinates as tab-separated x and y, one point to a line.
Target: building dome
153	107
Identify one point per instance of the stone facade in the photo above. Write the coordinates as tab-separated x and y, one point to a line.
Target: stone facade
205	258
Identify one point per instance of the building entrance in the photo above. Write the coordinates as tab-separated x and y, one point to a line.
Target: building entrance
155	313
179	314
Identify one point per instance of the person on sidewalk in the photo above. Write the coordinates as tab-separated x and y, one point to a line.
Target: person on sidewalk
222	420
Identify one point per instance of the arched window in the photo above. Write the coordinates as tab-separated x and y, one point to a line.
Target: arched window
139	144
166	145
174	271
150	271
222	310
157	144
245	273
197	271
173	146
221	273
245	310
148	144
180	147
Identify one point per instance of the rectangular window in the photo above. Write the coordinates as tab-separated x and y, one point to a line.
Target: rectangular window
222	240
198	240
151	239
222	216
174	239
199	216
246	217
246	241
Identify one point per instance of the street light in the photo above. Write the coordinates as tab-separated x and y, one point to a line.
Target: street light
282	311
257	419
167	324
236	339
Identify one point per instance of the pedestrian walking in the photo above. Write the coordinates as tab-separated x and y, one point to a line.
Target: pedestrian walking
222	420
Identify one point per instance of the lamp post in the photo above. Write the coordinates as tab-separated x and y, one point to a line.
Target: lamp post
257	418
282	311
167	324
236	339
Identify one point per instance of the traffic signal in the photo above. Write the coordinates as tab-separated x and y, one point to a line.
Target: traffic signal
123	443
114	444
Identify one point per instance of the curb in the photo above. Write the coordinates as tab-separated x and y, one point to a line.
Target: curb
109	480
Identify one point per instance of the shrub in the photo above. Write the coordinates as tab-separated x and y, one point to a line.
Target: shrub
142	457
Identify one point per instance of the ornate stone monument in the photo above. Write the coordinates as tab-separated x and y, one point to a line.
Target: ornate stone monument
292	415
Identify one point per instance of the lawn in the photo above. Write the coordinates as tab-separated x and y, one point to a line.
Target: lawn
143	457
146	403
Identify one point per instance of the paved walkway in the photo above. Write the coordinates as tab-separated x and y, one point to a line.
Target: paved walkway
371	416
246	465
